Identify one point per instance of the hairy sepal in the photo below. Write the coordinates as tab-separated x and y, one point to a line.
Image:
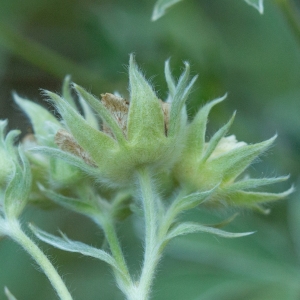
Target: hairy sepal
145	117
94	142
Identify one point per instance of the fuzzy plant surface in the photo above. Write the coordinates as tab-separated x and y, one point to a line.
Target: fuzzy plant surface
110	158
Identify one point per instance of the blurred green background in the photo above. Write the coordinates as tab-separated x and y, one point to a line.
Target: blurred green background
256	59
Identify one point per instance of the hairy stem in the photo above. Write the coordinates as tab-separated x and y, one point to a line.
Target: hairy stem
17	234
115	248
152	244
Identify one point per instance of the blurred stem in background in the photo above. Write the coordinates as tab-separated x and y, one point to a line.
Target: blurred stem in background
292	15
47	59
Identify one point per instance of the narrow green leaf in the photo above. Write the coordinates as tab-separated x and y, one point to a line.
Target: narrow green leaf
193	200
258	4
216	139
73	204
145	117
68	158
183	88
190	227
64	243
104	113
254	183
9	295
161	6
66	91
197	129
169	78
89	114
38	117
94	142
248	199
234	162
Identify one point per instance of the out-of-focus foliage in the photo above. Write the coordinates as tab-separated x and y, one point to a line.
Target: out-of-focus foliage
256	59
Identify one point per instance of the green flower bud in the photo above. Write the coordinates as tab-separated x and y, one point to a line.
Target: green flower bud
141	132
218	163
45	127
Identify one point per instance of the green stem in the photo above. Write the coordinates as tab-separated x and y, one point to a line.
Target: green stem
21	238
152	245
291	13
114	245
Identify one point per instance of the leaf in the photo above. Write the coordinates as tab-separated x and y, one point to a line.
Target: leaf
9	295
192	200
258	4
190	227
66	91
161	6
169	78
38	117
74	204
183	88
64	243
67	158
254	183
242	198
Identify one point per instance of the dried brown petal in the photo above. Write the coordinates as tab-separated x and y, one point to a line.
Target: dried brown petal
118	108
66	142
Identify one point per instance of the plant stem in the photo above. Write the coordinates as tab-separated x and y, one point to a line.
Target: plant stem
152	244
17	234
115	247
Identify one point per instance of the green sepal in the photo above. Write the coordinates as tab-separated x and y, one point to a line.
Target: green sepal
197	129
169	79
8	294
73	204
145	116
254	183
248	199
38	117
234	162
64	243
193	200
216	139
89	114
191	227
19	187
66	91
183	88
103	112
94	142
67	158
